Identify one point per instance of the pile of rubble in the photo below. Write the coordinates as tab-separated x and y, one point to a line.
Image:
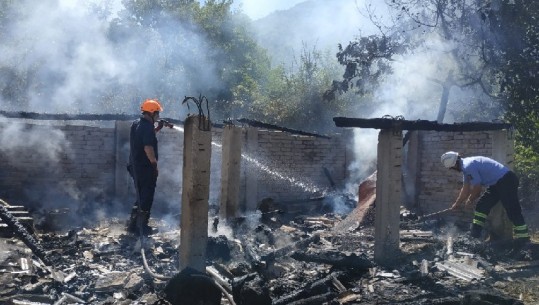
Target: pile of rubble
309	259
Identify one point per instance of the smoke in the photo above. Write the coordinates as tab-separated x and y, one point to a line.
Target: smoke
19	140
222	229
412	90
77	58
257	9
316	23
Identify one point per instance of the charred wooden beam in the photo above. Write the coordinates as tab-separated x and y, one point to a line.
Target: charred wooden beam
315	300
256	262
22	233
334	258
254	123
390	123
67	117
316	289
75	117
287	249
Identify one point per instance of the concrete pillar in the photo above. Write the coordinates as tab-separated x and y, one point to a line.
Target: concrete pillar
251	178
195	193
411	167
503	149
123	183
388	197
230	172
347	136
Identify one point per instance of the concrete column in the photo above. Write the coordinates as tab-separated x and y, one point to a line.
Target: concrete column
411	167
503	149
347	137
195	193
123	183
251	179
388	196
230	172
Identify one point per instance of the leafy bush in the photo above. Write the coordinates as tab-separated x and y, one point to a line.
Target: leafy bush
527	168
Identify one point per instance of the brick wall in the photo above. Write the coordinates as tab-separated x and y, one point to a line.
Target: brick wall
84	167
292	166
438	186
56	165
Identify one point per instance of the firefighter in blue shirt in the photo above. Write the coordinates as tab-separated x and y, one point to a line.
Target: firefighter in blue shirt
501	185
143	157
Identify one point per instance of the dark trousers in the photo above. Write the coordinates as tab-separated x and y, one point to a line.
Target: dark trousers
506	191
145	181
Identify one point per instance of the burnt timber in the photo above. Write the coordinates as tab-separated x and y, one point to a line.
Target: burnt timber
75	117
254	123
401	124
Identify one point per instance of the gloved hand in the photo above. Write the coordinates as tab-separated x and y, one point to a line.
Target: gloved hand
165	123
168	124
160	124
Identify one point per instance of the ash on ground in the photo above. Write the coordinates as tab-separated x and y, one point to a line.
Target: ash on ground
276	259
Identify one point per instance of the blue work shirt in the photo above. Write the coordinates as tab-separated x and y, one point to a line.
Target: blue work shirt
482	171
142	134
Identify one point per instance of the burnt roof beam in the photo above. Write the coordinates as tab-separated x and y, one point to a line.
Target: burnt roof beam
385	123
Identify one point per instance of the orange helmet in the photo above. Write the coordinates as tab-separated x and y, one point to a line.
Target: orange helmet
151	105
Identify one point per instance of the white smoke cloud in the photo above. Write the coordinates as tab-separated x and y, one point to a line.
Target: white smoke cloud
257	9
411	90
80	61
19	139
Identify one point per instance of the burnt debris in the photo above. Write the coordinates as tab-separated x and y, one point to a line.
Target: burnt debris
308	259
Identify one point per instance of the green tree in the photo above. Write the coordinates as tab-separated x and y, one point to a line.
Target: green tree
230	53
493	49
295	97
516	41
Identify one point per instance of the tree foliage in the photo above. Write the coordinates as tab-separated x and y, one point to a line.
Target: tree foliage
231	54
494	48
295	98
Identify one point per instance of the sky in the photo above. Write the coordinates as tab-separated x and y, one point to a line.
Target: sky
257	9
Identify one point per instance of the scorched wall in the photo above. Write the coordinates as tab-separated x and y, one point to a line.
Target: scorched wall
70	164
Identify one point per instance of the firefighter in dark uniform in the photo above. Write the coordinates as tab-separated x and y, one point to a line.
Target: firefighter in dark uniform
142	165
501	185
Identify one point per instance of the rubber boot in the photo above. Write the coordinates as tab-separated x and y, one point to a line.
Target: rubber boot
475	231
143	217
132	222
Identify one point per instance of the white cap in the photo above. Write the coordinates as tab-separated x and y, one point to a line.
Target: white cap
449	159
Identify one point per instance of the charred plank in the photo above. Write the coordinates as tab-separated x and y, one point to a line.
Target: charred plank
315	300
317	288
387	123
23	234
287	249
255	123
334	258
